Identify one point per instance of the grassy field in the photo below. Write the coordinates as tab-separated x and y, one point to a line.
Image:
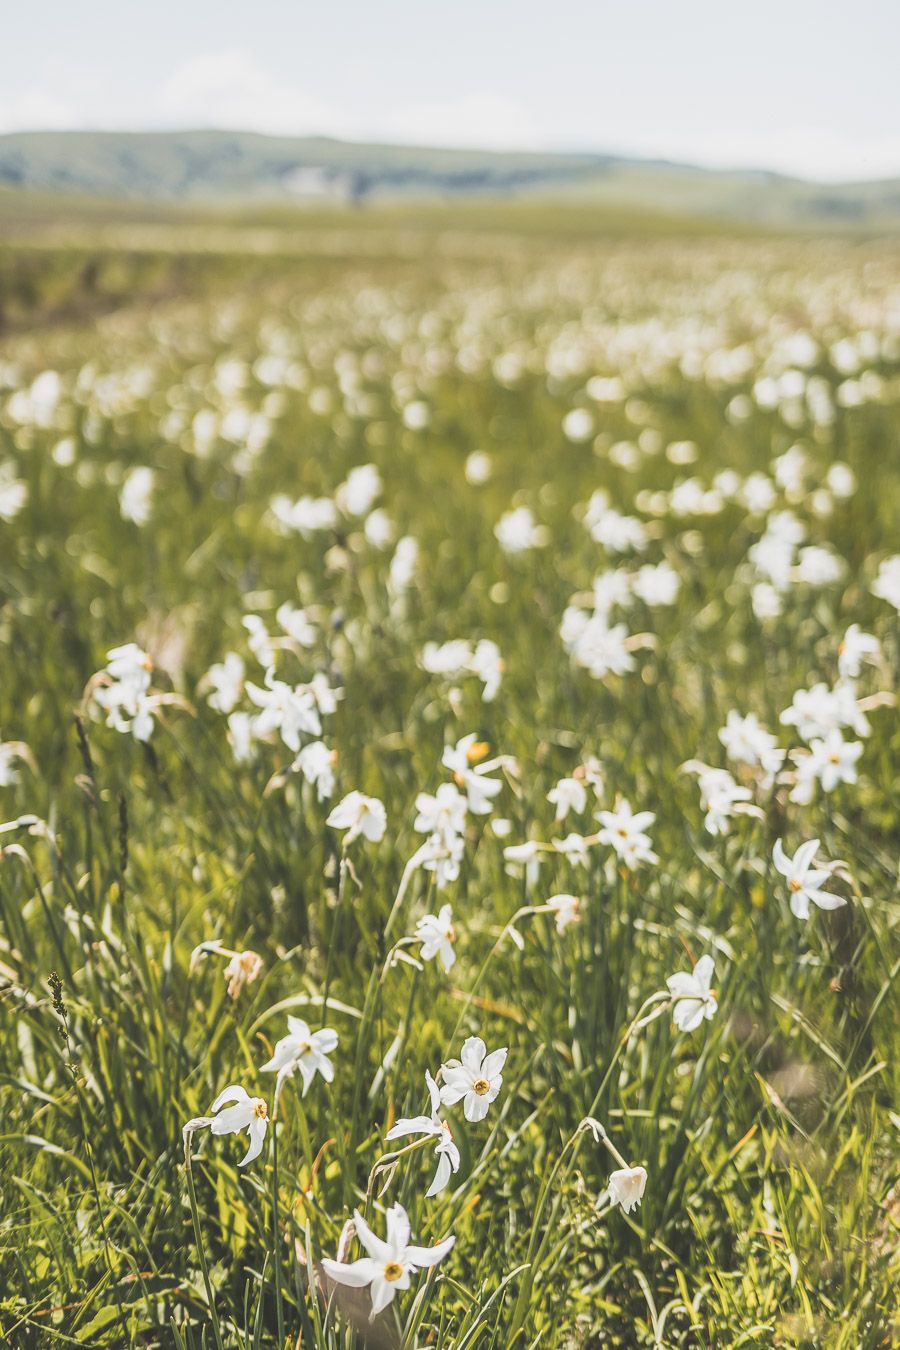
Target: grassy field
657	469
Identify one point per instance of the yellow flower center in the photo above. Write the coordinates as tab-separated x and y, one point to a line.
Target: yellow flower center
481	1086
261	1110
476	751
795	885
392	1271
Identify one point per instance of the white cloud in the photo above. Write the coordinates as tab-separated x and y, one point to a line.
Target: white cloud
230	89
37	109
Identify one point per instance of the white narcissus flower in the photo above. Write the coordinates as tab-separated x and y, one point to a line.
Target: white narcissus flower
693	997
243	968
626	1187
248	1113
435	932
433	1125
135	497
479	789
475	1078
624	830
854	648
566	909
303	1050
887	584
805	882
359	814
570	794
387	1266
316	763
226	680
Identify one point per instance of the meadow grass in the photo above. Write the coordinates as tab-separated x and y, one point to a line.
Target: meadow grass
769	1133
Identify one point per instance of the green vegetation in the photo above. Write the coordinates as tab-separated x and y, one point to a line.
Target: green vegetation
736	396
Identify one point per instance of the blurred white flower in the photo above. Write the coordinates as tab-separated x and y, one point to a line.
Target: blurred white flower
135	499
566	908
887	584
226	680
461	760
570	794
856	647
517	531
359	814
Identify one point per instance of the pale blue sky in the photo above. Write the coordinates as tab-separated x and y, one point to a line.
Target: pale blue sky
806	86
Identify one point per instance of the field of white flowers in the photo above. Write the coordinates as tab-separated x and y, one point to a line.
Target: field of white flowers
448	884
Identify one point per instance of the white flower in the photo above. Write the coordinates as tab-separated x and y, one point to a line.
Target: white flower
626	1187
693	997
123	691
854	648
478	787
359	814
435	932
444	813
290	711
831	761
243	968
566	909
403	565
601	650
518	531
388	1266
295	623
136	494
624	831
446	1150
259	641
475	1078
241	735
748	742
804	882
10	751
225	679
656	585
570	794
720	794
574	848
303	1050
316	762
488	665
887	584
356	496
13	493
248	1113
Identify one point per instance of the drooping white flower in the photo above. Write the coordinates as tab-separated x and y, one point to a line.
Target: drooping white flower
804	881
475	1078
624	831
436	934
243	968
303	1051
296	624
566	908
248	1113
626	1187
720	796
359	815
388	1265
570	794
693	997
433	1125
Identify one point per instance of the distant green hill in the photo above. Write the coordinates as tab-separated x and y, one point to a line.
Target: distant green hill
206	165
